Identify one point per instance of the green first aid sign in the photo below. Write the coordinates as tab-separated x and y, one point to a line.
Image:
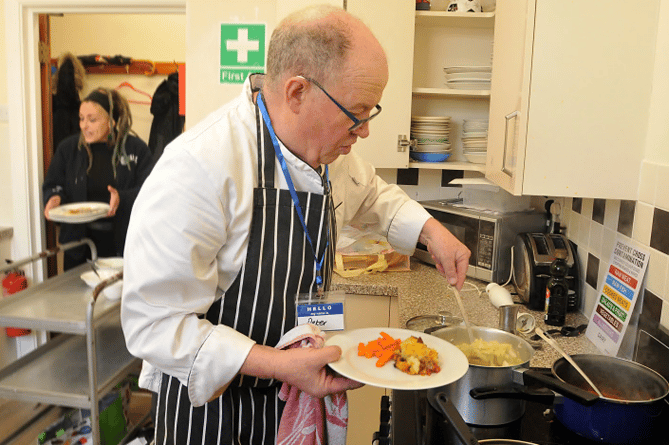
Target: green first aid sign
242	51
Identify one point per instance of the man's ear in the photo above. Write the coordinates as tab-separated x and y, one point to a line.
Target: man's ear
295	89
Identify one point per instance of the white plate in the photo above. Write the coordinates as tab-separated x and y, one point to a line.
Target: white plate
476	158
474	74
437	127
468	80
474	134
110	263
452	361
482	149
467	69
432	147
79	212
430	118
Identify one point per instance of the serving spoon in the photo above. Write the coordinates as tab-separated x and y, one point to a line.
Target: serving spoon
559	349
464	314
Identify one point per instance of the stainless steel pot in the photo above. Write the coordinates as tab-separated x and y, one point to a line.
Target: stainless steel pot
497	411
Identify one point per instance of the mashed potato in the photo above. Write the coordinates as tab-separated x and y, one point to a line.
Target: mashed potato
490	353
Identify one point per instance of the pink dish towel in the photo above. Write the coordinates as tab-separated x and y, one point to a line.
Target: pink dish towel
308	420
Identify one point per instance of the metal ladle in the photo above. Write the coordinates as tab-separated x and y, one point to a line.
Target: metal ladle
557	347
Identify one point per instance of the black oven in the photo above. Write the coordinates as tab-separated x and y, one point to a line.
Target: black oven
407	418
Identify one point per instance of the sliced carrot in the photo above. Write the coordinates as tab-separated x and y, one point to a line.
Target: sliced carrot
383	348
384	357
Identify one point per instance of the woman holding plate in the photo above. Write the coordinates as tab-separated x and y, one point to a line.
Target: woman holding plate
104	163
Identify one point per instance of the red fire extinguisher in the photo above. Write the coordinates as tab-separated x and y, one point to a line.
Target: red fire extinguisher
12	283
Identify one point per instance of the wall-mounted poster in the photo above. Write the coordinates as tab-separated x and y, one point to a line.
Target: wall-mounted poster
618	294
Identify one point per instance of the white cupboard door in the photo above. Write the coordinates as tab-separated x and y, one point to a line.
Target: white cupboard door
392	22
589	98
570	97
507	116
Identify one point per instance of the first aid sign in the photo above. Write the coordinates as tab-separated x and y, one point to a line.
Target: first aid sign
242	51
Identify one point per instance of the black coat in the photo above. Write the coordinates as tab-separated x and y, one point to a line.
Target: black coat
67	177
167	122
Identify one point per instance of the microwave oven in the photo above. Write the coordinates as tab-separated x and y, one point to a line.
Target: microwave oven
489	236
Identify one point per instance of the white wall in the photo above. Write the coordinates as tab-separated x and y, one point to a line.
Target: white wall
6	211
159	38
657	143
203	90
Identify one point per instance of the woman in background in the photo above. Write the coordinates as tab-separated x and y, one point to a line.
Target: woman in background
103	163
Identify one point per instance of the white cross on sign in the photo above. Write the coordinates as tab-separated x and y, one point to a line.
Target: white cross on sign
242	45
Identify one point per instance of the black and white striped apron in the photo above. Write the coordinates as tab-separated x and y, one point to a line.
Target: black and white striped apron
260	303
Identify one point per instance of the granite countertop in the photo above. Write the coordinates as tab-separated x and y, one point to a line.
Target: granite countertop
423	291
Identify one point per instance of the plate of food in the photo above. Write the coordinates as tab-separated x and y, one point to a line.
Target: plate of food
79	212
397	358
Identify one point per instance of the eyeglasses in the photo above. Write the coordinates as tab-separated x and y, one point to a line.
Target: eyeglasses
357	123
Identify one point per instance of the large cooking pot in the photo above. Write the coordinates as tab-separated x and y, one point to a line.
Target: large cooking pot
632	405
494	411
630	411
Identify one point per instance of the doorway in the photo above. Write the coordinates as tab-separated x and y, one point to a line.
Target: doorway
136	53
24	105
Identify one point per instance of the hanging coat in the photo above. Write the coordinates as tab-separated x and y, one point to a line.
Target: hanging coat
167	122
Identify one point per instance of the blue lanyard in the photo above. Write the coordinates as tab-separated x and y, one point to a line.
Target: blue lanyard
293	194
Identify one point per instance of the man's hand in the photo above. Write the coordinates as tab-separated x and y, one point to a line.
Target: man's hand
304	368
449	254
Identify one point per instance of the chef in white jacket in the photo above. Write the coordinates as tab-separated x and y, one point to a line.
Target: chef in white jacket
240	214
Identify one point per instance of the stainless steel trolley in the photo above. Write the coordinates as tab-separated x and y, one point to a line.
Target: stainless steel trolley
70	370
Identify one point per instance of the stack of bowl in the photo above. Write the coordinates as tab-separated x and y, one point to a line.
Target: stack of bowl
431	136
475	140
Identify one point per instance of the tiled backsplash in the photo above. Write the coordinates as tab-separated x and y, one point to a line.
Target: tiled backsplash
593	225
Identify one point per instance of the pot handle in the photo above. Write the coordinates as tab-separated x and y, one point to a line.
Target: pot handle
446	407
579	395
513	391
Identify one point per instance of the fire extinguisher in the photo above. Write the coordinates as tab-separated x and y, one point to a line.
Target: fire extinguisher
12	283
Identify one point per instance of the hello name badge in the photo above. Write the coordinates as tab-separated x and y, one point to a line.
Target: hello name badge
325	311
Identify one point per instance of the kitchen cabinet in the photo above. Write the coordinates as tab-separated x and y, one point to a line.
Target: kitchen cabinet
83	362
570	97
365	311
419	44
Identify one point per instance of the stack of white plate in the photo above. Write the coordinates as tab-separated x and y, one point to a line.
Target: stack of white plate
468	77
475	140
432	135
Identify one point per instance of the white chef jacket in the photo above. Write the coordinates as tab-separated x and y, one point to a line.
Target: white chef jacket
188	236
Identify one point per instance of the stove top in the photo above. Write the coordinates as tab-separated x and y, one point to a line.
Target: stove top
410	412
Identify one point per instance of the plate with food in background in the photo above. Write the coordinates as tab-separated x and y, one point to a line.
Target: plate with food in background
397	358
79	212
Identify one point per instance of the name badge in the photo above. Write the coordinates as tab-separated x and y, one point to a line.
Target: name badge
328	316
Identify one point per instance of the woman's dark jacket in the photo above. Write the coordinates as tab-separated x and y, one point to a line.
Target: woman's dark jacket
67	177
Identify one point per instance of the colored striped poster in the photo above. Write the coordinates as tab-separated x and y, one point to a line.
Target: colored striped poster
617	295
